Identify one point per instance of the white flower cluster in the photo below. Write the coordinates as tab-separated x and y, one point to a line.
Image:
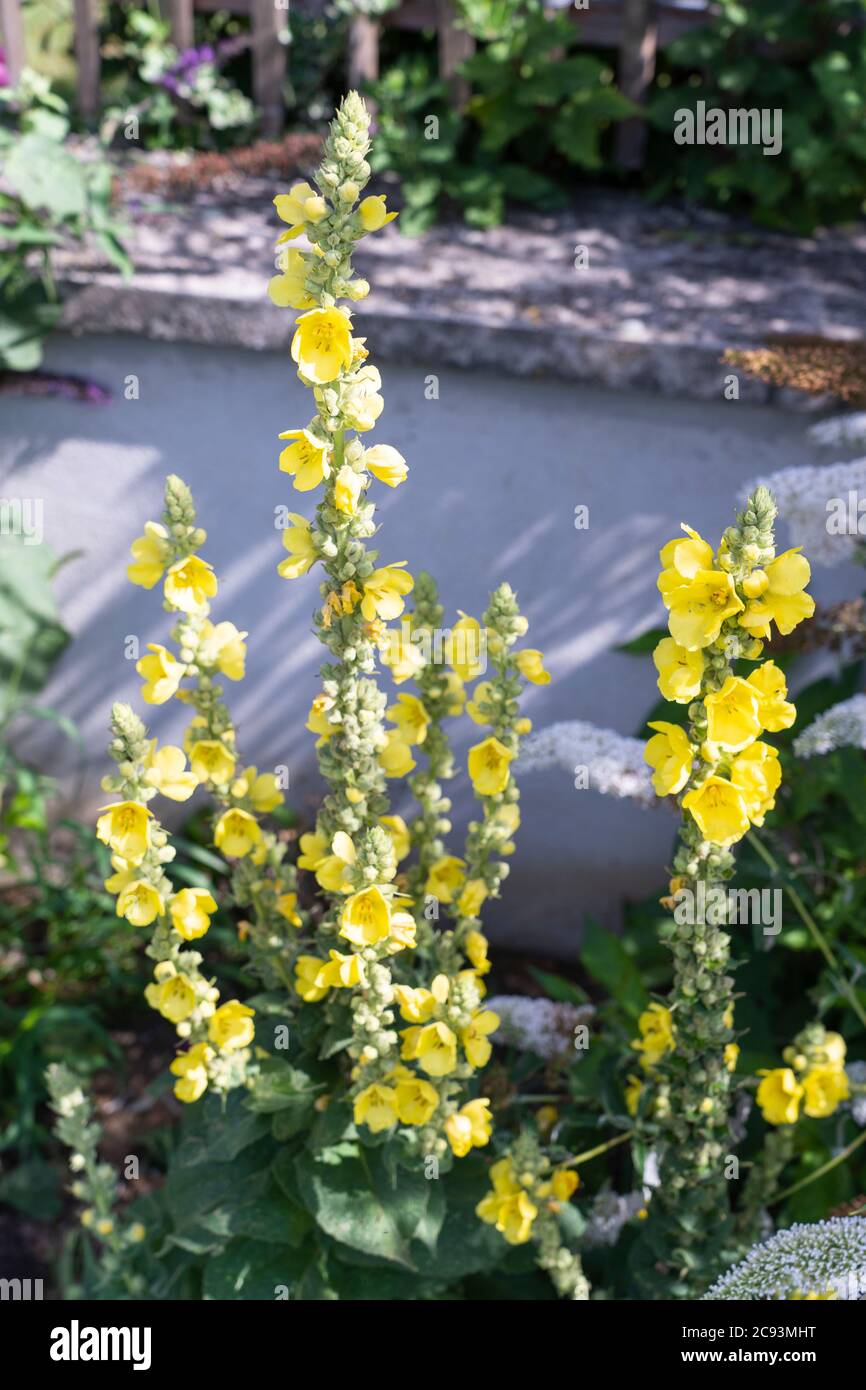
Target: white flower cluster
857	1077
841	726
609	1213
543	1026
804	496
827	1258
840	431
612	763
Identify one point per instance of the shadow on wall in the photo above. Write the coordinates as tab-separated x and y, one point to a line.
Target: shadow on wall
497	468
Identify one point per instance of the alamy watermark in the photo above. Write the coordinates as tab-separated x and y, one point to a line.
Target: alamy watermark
22	516
735	126
714	906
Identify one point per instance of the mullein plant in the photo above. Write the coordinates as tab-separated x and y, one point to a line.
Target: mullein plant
416	1081
722	605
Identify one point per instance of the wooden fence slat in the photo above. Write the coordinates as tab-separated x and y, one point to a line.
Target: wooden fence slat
362	56
637	65
269	64
181	19
87	56
13	38
455	46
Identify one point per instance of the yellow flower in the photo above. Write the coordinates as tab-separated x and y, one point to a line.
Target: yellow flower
400	837
231	1027
465	648
731	1053
162	674
481	696
374	214
150	554
415	1098
779	1096
489	767
472	898
286	905
322	345
470	1127
783	602
657	1035
680	671
166	770
475	947
403	658
530	664
211	762
698	608
564	1183
416	1005
376	1107
732	714
191	1067
174	998
190	912
348	486
402	934
306	459
411	718
384	591
365	918
824	1087
445	877
309	982
189	584
124	828
294	207
433	1047
314	847
669	754
236	833
757	773
342	972
387	464
396	758
261	788
474	1038
360	401
681	560
317	719
288	290
298	541
719	809
511	1215
633	1090
223	646
140	903
774	710
833	1050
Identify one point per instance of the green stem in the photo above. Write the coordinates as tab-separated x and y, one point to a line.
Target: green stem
809	921
825	1168
599	1149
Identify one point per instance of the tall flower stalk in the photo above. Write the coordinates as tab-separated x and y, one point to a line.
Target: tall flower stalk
722	605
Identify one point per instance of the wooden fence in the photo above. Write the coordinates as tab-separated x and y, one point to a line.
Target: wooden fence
635	28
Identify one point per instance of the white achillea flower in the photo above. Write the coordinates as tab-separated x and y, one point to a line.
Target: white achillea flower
840	430
803	494
827	1258
543	1026
841	726
614	764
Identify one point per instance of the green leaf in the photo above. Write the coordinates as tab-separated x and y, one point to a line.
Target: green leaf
46	176
347	1205
252	1269
31	634
33	1188
606	959
645	642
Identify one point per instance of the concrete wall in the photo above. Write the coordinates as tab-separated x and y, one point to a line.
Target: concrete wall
497	466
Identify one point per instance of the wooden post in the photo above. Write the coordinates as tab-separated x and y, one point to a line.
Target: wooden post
362	59
455	46
637	64
180	17
87	56
269	64
13	38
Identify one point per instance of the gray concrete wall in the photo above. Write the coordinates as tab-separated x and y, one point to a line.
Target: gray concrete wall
497	466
